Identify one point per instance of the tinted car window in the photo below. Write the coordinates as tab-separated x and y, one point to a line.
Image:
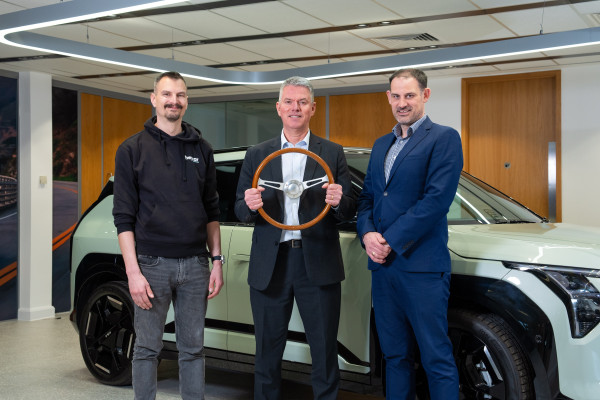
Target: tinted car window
227	178
478	203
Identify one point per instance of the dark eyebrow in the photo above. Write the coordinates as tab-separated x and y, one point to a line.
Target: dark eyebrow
165	91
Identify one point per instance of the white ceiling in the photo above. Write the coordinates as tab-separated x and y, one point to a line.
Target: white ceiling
301	33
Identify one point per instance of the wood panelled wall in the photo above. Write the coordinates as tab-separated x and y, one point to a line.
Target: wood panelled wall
318	123
91	149
121	119
105	123
358	119
354	120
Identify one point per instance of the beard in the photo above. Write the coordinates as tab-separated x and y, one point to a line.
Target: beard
171	114
172	117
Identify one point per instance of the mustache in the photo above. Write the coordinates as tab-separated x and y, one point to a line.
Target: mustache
169	105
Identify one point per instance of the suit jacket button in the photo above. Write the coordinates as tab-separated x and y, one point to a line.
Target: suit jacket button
385	193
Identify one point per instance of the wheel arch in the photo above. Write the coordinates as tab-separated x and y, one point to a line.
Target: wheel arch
528	322
94	270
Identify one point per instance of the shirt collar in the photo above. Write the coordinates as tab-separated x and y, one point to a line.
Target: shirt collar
413	128
303	143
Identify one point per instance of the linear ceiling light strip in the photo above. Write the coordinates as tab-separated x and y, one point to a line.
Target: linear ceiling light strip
13	25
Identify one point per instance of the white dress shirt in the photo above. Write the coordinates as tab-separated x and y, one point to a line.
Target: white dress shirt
292	167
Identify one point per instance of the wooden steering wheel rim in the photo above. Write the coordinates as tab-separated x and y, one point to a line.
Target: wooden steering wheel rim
264	163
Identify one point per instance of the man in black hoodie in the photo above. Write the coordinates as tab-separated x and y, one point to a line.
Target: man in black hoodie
166	210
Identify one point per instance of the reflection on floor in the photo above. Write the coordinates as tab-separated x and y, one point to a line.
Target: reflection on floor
41	360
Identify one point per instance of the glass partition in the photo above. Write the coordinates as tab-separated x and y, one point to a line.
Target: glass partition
234	124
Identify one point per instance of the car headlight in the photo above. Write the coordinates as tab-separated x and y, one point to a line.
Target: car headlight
580	297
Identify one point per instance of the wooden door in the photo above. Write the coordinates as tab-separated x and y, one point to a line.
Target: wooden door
508	122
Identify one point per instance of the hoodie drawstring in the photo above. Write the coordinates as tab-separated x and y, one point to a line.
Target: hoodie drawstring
190	139
163	144
184	163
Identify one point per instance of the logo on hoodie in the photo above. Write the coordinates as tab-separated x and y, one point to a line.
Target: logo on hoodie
192	159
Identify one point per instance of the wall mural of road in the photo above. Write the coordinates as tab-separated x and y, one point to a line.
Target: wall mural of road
65	195
8	198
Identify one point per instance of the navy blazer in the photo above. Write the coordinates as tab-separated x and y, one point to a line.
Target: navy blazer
320	243
410	209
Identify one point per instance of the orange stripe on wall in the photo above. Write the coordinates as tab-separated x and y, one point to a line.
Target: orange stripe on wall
9	272
59	237
8	268
8	277
61	242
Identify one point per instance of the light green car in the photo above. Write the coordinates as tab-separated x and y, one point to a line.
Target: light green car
524	303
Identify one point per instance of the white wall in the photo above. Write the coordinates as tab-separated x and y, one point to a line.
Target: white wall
580	140
581	144
444	105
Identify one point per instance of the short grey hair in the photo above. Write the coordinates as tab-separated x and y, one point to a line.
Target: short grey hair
298	81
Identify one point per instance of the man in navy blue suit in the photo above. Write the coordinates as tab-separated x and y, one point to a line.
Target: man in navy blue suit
410	183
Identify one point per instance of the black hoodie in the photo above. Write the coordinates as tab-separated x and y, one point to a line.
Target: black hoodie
165	191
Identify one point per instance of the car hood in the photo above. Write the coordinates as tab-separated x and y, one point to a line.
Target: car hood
547	243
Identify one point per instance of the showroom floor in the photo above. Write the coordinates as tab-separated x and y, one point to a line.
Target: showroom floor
41	360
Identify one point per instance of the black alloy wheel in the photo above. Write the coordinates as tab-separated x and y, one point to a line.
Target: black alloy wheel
491	363
106	334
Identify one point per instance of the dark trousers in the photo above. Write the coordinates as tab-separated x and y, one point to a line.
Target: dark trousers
411	310
319	308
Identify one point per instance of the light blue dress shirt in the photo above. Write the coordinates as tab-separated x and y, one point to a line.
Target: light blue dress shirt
398	145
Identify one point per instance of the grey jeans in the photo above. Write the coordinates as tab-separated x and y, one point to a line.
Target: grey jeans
185	282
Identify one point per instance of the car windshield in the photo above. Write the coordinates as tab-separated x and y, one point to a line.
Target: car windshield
475	201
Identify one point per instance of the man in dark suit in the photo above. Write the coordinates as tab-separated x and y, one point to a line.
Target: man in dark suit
287	264
410	183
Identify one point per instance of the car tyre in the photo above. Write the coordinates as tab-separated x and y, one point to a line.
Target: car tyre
106	333
491	363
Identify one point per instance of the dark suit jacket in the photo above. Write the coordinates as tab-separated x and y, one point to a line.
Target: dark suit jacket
320	243
410	210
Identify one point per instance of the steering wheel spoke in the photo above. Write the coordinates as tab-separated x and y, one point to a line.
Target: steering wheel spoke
313	182
271	184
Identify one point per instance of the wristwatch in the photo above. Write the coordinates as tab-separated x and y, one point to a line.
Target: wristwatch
220	257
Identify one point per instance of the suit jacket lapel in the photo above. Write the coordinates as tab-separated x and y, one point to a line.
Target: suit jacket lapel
310	169
388	142
414	141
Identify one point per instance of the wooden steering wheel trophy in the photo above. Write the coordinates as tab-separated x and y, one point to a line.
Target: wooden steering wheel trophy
293	188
